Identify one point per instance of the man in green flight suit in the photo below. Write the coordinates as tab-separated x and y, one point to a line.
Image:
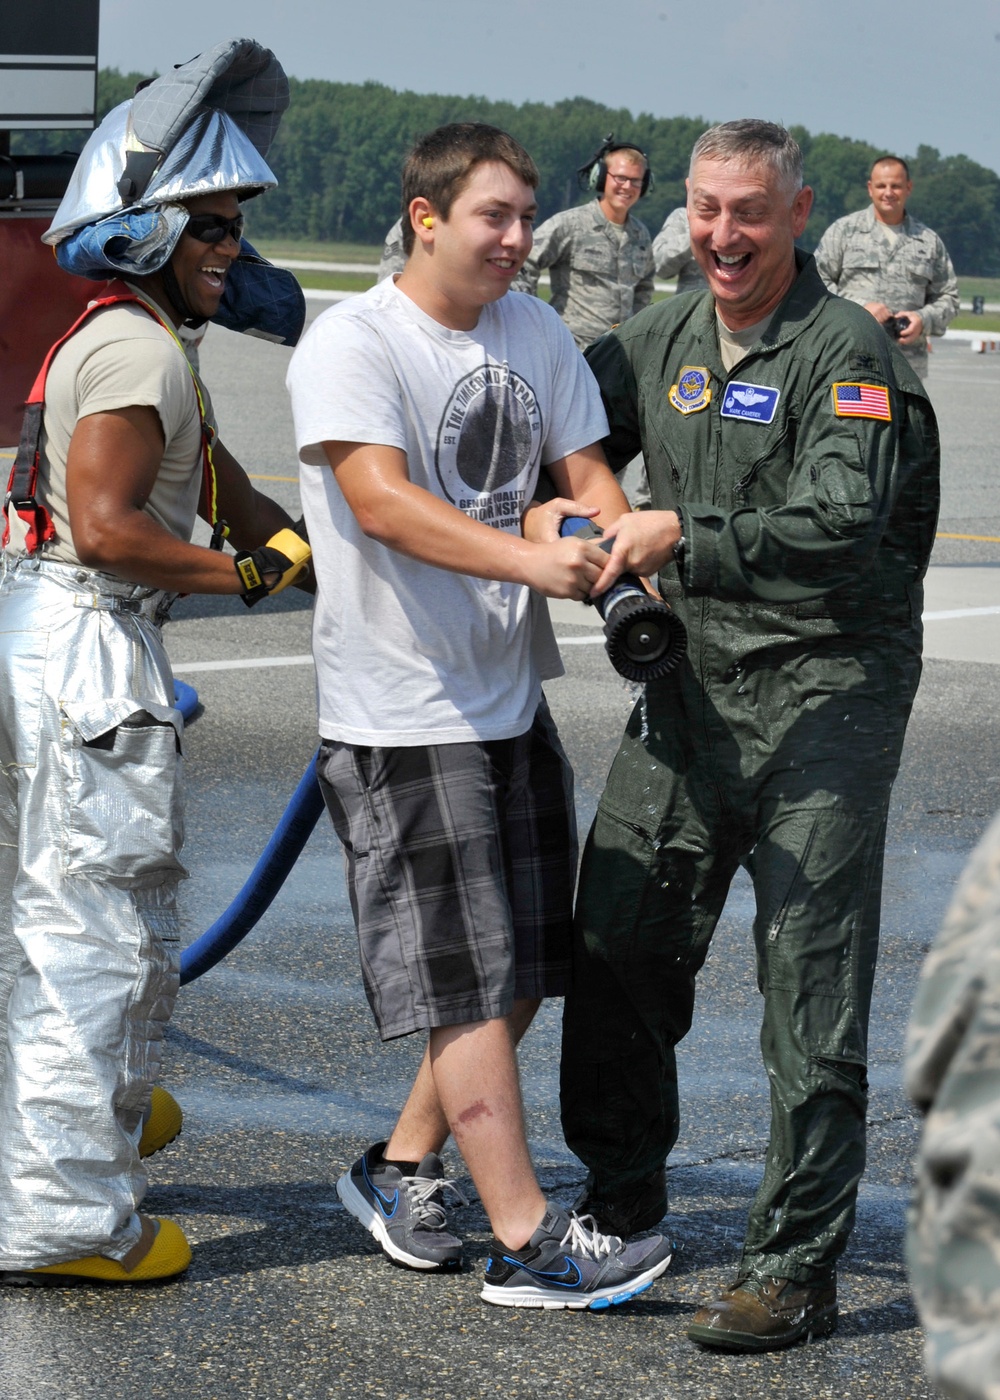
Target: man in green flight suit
793	464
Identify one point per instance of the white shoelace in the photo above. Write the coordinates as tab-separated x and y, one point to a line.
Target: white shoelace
583	1237
428	1208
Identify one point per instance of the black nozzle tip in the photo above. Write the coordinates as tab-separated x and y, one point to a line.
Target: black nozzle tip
645	639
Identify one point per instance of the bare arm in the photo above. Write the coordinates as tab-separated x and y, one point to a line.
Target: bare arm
389	508
111	468
252	517
585	476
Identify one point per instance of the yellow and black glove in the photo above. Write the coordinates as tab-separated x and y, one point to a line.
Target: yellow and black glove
286	554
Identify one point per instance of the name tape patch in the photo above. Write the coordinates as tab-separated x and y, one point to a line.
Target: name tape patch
862	401
757	403
693	390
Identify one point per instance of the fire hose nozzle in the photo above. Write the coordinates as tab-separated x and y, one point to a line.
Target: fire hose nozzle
644	638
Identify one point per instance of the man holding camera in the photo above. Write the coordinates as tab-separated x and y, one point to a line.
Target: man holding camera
896	267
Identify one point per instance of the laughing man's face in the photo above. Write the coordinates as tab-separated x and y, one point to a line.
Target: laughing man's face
744	223
201	268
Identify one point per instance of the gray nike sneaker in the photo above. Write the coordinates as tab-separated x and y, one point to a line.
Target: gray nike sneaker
406	1214
567	1263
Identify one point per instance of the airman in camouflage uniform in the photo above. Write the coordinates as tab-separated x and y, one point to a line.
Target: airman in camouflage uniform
892	264
599	256
672	253
953	1074
393	258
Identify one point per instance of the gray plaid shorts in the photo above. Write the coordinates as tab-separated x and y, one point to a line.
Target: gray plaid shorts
461	862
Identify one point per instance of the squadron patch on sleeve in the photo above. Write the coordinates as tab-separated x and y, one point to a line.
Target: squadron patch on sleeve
693	390
862	401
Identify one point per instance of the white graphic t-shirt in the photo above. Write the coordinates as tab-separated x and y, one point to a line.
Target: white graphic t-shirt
407	653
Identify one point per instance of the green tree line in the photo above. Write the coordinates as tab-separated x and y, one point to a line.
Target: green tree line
341	146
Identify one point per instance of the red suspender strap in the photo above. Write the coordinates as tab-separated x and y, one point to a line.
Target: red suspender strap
24	474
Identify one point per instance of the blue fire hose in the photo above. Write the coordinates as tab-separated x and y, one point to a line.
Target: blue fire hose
268	875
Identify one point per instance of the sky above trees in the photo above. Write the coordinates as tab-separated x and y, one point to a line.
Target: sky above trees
897	75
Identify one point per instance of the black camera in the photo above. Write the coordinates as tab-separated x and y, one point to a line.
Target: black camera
894	326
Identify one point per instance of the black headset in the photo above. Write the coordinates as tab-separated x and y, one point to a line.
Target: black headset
593	174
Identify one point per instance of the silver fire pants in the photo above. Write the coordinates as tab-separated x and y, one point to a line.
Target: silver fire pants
90	830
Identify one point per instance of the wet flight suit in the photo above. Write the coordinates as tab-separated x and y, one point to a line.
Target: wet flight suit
774	745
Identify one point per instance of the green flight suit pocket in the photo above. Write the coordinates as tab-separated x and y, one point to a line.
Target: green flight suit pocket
618	875
764	466
816	874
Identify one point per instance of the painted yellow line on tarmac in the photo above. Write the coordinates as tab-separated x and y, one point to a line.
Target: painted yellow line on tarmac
985	539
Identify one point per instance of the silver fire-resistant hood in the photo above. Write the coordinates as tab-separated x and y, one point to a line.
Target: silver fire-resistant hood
205	127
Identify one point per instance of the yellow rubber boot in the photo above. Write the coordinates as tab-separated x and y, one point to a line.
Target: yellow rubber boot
163	1123
161	1252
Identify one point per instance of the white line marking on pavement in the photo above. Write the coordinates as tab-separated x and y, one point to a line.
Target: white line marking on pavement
960	612
248	663
243	664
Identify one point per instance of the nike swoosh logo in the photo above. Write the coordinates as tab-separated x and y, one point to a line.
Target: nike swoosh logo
570	1277
386	1204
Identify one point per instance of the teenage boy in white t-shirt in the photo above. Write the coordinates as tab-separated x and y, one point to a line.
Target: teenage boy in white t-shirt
423	412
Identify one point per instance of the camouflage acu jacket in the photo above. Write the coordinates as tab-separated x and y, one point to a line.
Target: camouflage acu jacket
393	257
672	253
599	279
914	273
953	1074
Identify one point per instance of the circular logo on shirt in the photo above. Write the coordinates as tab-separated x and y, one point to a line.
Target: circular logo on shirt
487	444
692	392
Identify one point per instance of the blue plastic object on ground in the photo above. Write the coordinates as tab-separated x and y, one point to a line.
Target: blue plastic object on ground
266	879
185	698
267	876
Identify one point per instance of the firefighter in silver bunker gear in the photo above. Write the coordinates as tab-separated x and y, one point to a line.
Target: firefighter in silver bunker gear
118	454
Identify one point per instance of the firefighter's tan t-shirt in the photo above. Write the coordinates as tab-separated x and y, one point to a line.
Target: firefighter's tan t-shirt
120	358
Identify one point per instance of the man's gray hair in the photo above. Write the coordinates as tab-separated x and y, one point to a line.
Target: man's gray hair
753	142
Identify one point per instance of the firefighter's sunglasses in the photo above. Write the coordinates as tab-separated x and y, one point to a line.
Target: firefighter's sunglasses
213	228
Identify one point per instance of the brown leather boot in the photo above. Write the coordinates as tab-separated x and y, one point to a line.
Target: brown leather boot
763	1314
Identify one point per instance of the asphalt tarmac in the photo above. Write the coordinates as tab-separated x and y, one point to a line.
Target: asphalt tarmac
274	1056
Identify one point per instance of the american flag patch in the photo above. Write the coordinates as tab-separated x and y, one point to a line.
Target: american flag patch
861	401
